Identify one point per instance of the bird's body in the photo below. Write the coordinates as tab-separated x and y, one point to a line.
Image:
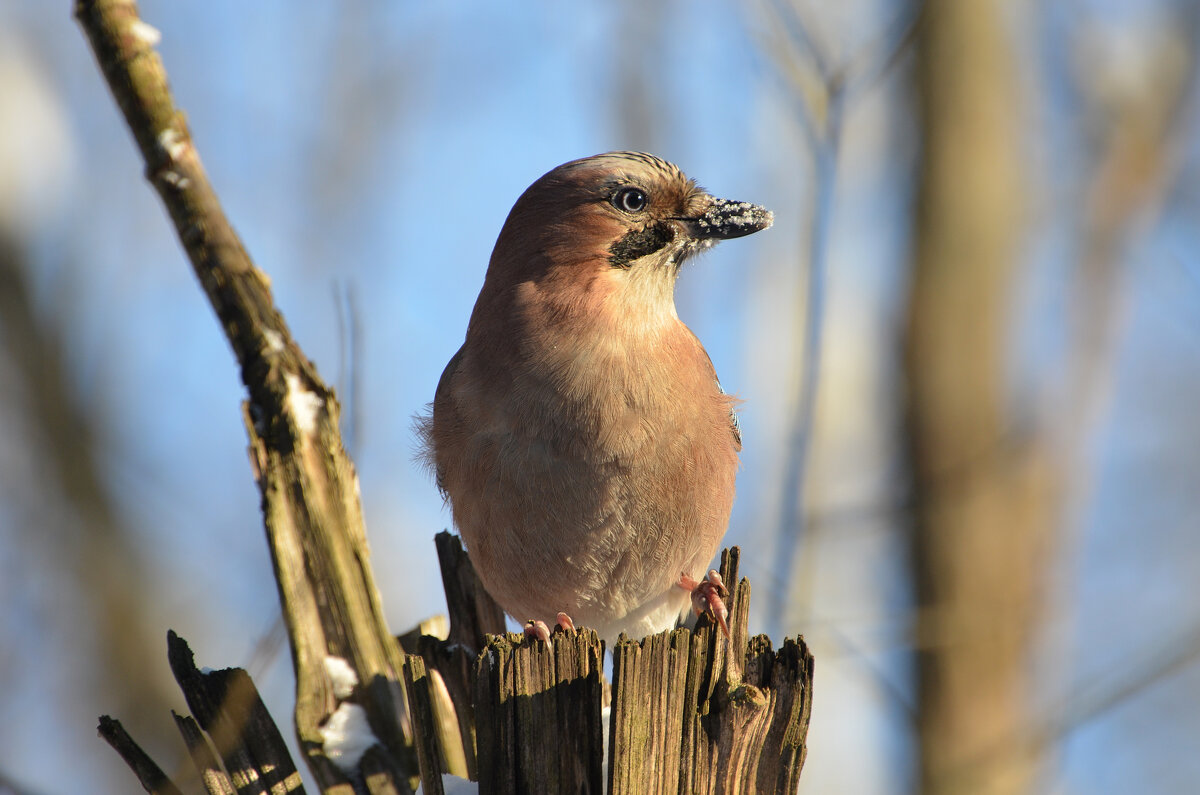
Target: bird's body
580	434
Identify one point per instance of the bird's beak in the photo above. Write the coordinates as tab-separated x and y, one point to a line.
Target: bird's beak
725	219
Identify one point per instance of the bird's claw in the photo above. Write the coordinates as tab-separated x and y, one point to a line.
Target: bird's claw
538	629
708	597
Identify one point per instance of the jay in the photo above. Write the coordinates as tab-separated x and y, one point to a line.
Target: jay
580	434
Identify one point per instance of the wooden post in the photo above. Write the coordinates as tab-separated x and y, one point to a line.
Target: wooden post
691	711
702	713
537	707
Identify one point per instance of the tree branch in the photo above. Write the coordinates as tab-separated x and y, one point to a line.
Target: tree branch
309	488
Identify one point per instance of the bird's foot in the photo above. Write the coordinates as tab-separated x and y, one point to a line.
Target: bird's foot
538	629
707	597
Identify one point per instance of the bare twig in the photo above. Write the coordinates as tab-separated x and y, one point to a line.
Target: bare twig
345	301
149	774
824	91
1131	138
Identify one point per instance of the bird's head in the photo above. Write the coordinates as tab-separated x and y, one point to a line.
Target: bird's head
610	232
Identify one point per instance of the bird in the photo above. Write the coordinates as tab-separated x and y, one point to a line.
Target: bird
580	434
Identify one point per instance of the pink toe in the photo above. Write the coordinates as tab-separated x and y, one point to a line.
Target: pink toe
537	629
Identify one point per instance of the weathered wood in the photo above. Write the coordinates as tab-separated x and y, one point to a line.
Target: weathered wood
451	668
578	680
449	647
416	681
214	777
473	613
310	501
450	660
700	713
650	703
537	707
226	705
151	776
378	775
692	712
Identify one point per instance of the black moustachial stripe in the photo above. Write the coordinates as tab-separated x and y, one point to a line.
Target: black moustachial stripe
637	243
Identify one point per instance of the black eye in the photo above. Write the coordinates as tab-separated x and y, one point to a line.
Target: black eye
631	200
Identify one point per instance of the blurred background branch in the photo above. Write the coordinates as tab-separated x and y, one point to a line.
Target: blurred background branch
821	91
980	537
58	508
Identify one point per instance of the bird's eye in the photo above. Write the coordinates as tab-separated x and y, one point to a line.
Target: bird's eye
630	200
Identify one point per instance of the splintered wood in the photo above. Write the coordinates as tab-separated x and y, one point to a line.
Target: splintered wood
691	711
694	712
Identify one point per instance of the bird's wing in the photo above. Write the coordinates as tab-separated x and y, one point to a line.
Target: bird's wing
734	426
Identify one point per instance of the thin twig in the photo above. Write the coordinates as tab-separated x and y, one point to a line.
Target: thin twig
822	120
